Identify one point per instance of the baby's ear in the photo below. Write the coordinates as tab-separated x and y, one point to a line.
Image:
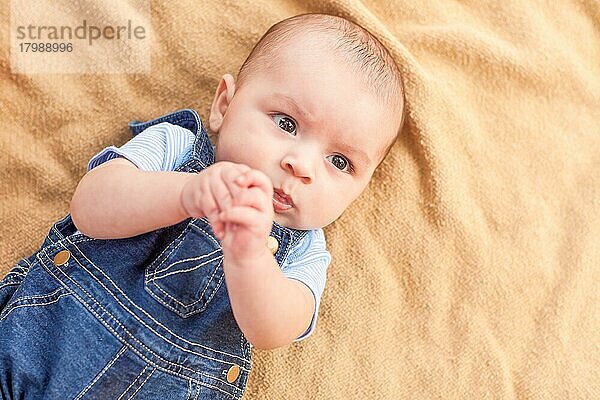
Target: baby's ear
221	102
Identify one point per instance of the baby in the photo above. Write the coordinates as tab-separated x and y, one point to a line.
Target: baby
178	256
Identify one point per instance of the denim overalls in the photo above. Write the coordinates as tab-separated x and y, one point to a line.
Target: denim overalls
145	317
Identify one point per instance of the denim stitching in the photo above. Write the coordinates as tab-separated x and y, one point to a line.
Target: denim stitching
287	248
21	268
111	329
40	296
149	316
182	313
197	395
244	379
56	232
158	271
9	310
183	232
175	300
3	285
202	294
143	323
203	231
189	392
133	382
198	137
164	303
246	351
215	270
245	347
15	274
86	239
15	304
142	384
152	272
185	270
17	270
122	339
26	261
102	372
213	274
292	242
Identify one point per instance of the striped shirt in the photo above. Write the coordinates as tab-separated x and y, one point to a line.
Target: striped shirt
164	147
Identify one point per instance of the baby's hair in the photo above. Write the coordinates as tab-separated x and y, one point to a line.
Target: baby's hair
357	45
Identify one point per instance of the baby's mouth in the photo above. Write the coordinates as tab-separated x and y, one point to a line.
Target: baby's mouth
281	201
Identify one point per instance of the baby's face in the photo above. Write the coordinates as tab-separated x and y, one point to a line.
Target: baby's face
311	126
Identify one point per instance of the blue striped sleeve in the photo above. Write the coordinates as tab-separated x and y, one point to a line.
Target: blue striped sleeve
161	147
308	262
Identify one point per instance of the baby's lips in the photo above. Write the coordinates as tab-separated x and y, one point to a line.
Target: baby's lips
282	197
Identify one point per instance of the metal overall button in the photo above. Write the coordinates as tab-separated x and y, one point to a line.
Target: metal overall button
233	373
272	244
62	257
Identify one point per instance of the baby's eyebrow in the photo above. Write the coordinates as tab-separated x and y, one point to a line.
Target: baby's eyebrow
296	108
355	153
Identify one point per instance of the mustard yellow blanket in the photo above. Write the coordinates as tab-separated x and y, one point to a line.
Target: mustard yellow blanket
469	269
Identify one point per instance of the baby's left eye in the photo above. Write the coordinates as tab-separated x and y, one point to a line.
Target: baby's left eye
340	162
285	123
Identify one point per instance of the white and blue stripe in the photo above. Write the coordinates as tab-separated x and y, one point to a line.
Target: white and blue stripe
162	147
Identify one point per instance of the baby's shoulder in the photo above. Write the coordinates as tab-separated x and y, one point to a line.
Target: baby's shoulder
312	243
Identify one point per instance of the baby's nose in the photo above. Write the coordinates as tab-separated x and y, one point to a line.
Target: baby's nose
299	169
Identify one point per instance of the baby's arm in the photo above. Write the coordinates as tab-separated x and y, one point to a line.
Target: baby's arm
271	309
117	200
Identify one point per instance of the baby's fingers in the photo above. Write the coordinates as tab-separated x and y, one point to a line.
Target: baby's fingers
197	199
256	178
255	198
218	228
247	217
223	189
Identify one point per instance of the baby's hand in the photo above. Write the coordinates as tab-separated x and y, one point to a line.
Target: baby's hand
238	203
211	191
248	222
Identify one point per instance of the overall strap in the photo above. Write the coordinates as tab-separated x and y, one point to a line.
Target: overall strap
202	154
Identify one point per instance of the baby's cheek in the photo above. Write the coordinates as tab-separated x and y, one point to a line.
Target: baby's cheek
252	155
322	210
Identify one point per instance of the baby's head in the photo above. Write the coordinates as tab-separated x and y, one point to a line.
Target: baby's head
316	107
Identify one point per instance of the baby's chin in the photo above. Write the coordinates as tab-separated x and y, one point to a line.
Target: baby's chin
289	221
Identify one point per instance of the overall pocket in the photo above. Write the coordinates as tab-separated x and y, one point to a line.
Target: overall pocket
189	271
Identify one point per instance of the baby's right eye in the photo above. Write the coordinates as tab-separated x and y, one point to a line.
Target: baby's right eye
285	123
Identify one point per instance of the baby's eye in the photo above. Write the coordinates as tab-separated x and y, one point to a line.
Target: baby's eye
286	123
340	162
